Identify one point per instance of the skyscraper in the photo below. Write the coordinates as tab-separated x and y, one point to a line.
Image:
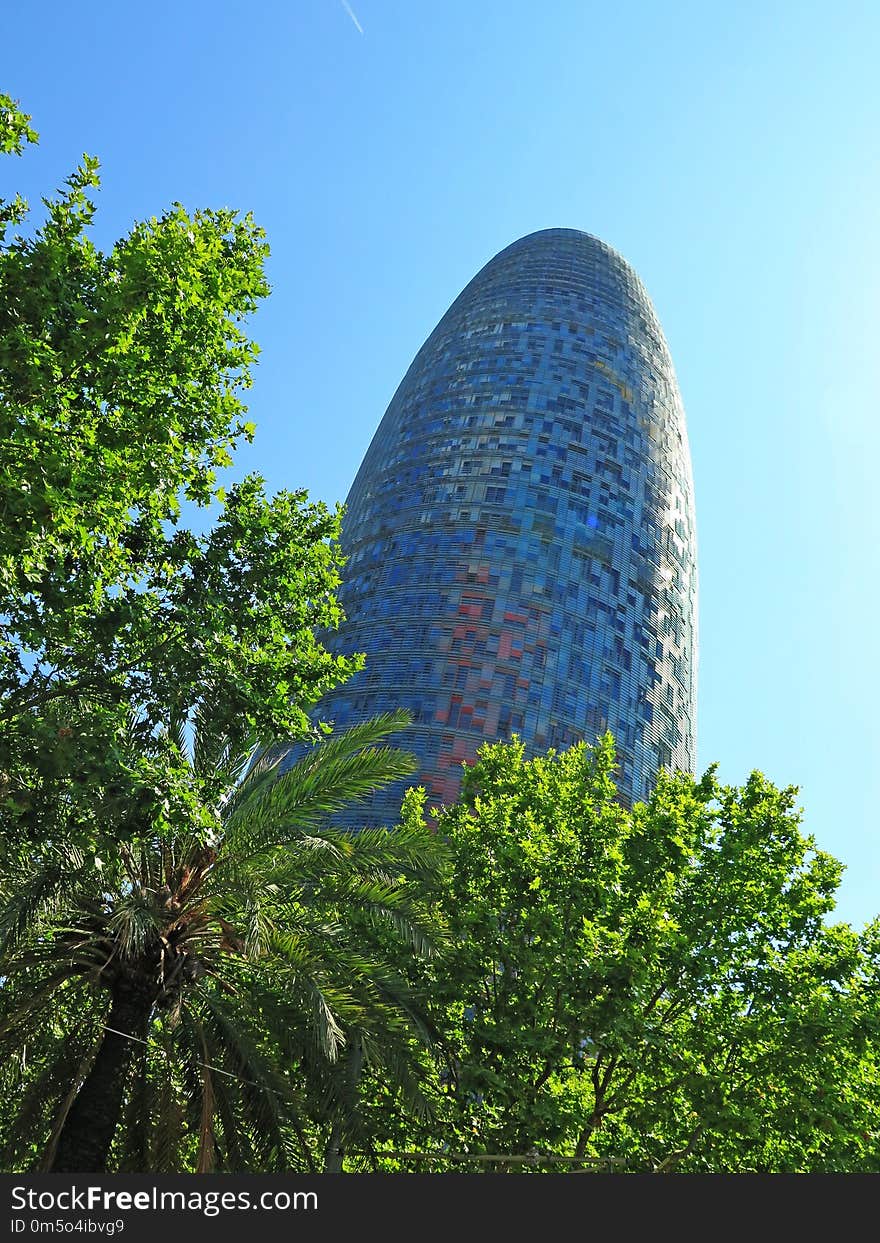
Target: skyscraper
520	535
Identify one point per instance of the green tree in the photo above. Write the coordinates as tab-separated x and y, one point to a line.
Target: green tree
650	989
186	950
121	376
182	1001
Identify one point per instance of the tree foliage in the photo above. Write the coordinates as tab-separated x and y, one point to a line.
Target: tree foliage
184	1001
121	380
650	989
186	949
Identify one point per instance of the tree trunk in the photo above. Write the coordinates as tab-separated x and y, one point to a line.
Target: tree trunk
334	1153
87	1133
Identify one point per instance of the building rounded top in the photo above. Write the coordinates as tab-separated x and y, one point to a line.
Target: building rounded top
555	270
574	245
588	241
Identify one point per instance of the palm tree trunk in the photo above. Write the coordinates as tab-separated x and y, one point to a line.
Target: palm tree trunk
346	1108
334	1153
87	1133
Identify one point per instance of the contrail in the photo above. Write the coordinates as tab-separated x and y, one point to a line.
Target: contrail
350	13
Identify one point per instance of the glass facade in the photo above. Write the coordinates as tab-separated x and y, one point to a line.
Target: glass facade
520	535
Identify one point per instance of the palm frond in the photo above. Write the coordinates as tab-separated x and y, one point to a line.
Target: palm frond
213	754
166	1129
27	895
270	809
264	1095
12	1024
328	1033
134	923
46	1100
177	733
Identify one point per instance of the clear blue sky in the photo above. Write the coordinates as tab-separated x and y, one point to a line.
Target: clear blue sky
730	152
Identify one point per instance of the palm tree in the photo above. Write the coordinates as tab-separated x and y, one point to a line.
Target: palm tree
185	1000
